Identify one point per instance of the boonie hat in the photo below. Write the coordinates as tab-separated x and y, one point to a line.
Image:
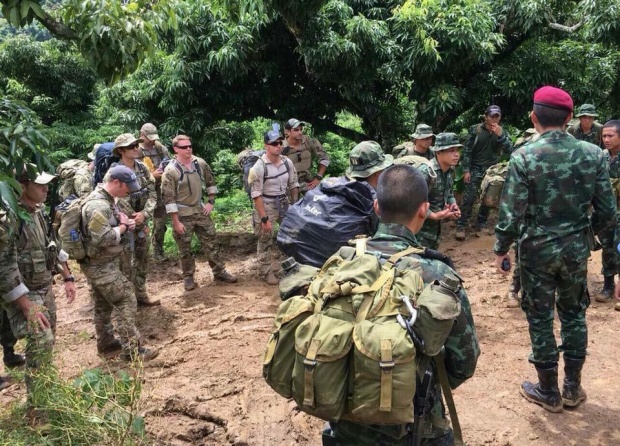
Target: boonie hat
126	175
367	158
293	123
493	110
124	140
41	178
446	141
553	97
150	131
423	131
586	110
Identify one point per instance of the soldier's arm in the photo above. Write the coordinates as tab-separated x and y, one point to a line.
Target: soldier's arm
208	178
151	201
255	180
513	205
604	201
12	286
98	215
321	154
467	150
505	142
293	183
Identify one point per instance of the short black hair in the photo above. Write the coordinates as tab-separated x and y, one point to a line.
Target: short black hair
550	116
615	123
401	190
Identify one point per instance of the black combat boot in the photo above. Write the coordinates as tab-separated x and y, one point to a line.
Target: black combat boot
546	392
12	359
607	293
572	393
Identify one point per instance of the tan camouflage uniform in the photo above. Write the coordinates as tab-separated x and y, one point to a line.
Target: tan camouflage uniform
156	155
184	195
135	264
274	192
112	290
302	159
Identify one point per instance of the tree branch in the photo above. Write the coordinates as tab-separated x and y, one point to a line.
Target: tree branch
564	28
57	28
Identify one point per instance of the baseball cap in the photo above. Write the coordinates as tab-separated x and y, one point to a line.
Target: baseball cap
422	131
586	110
271	136
91	154
446	141
493	110
553	97
124	140
367	158
41	178
126	175
150	131
293	123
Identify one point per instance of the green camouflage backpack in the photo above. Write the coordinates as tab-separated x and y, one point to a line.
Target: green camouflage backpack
341	352
68	227
417	161
66	172
493	184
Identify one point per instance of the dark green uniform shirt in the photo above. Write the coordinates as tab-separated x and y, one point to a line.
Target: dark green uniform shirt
484	148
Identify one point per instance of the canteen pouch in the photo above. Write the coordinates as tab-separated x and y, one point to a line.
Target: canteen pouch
384	382
280	353
321	370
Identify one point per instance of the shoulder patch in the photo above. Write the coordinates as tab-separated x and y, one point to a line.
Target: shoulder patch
97	222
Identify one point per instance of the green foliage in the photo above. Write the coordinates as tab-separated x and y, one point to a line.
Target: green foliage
231	213
95	408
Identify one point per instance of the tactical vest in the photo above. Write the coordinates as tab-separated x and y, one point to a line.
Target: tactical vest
35	259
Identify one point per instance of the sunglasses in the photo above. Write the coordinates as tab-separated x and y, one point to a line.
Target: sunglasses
184	147
133	146
276	143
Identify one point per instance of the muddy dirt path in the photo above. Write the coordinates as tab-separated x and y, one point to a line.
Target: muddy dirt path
206	388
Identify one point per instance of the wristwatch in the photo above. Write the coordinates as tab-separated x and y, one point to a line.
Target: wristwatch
320	177
211	201
265	219
70	278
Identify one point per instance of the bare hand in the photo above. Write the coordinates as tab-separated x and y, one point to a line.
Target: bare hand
157	174
312	184
617	291
266	227
467	177
36	319
207	208
495	128
498	263
456	212
70	291
138	218
131	224
179	228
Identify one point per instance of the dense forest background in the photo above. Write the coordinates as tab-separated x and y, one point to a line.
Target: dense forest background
77	72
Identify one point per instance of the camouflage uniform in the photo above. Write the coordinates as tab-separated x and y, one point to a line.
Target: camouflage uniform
549	188
461	354
422	131
439	194
273	190
483	149
135	264
302	159
156	155
607	235
184	195
594	137
111	289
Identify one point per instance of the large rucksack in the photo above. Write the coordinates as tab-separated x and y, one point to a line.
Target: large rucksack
343	351
326	218
418	161
66	172
493	184
68	226
104	158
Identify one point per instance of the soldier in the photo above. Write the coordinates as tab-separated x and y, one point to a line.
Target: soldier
403	210
438	174
271	177
29	301
587	129
181	188
486	143
422	141
611	139
550	186
367	161
155	155
138	206
105	228
301	149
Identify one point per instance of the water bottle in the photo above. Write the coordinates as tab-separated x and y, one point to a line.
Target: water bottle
73	234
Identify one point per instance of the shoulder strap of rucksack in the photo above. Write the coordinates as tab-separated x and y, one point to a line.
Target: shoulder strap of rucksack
442	374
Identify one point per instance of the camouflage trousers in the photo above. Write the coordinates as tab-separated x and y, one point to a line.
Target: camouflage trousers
113	295
159	228
134	265
39	345
203	227
561	284
346	433
607	238
267	258
7	338
472	191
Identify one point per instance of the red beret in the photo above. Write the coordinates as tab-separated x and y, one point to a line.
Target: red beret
553	97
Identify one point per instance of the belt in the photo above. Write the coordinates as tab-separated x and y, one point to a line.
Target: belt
272	197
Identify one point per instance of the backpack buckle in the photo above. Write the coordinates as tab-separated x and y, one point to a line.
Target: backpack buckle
309	364
386	366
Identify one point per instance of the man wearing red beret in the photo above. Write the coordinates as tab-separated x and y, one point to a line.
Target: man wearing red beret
550	186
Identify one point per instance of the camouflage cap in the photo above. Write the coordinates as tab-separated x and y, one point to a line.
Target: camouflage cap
293	123
586	110
445	141
423	131
367	158
123	141
150	131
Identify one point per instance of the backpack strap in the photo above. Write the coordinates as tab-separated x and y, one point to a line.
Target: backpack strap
399	255
442	374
